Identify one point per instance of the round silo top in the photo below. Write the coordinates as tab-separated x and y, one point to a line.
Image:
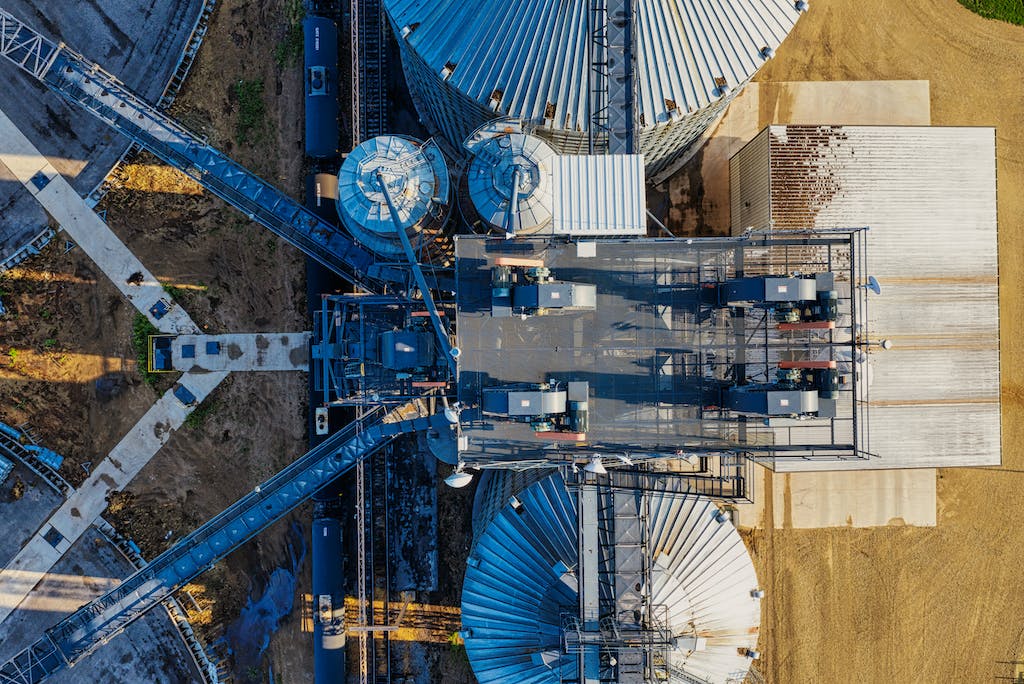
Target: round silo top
416	177
514	164
524	573
530	59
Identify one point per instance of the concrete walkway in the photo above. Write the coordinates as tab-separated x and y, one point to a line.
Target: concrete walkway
88	230
115	472
241	352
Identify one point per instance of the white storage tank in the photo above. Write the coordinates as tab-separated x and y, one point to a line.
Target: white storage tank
468	62
509	166
416	176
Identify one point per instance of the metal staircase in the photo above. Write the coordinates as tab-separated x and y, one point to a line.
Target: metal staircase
93	624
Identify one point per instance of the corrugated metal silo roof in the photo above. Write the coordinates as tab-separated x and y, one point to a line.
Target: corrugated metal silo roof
513	595
532	55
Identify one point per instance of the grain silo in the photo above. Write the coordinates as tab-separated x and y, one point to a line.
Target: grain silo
413	173
594	584
532	59
509	179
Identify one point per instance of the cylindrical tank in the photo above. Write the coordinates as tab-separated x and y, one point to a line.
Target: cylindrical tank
322	196
328	601
416	176
529	59
520	584
509	165
321	79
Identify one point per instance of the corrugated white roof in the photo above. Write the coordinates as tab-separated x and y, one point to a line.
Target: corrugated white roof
599	195
929	198
535	51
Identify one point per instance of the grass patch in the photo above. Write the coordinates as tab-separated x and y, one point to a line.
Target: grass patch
1011	11
200	413
176	293
252	112
141	330
289	51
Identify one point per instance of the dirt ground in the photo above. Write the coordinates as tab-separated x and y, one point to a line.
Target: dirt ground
70	328
915	604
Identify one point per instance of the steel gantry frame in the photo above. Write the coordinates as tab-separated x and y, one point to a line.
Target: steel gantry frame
612	100
86	84
93	624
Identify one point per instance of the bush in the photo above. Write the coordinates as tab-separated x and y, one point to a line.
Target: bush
1011	11
252	112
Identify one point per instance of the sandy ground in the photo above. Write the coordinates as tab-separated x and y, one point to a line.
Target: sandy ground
913	604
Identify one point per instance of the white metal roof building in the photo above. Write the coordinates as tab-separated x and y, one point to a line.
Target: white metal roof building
416	176
928	197
516	183
468	62
524	576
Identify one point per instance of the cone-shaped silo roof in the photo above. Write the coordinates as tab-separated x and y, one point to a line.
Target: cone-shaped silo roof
531	56
516	590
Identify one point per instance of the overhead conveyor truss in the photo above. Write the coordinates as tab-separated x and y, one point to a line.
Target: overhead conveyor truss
72	76
93	624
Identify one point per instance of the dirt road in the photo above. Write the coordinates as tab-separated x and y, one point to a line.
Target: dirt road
914	604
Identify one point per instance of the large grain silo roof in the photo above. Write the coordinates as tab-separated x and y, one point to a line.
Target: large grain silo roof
535	52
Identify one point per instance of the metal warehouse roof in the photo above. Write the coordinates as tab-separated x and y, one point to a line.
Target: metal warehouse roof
928	196
532	54
514	591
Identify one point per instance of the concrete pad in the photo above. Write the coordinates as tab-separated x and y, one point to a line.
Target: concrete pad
87	502
855	499
242	352
87	229
22	518
139	41
149	650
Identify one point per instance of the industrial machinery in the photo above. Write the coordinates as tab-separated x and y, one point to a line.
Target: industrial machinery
553	409
369	350
795	299
526	287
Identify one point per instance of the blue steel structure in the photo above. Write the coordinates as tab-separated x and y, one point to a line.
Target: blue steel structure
78	80
77	635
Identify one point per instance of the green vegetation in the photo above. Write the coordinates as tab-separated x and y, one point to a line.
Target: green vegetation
252	112
13	354
289	50
45	314
1005	10
49	343
177	293
141	330
200	413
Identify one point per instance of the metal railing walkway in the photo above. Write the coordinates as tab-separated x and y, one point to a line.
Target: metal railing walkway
77	635
86	84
